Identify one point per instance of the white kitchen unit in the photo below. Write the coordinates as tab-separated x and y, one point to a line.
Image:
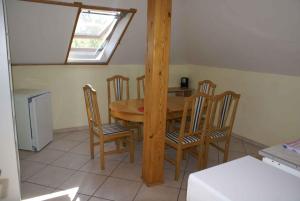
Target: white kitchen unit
244	179
33	118
282	158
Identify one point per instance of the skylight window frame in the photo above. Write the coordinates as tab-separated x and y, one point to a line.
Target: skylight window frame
75	36
80	8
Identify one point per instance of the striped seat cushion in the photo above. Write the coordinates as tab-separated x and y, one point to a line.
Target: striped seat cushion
113	128
216	134
173	136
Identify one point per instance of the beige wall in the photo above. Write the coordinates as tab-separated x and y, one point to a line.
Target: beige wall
65	83
268	112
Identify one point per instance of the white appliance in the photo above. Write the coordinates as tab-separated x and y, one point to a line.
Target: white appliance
33	118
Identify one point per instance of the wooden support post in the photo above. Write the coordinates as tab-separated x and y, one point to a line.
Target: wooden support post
156	88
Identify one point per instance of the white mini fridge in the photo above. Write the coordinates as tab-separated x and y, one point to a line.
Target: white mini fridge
33	118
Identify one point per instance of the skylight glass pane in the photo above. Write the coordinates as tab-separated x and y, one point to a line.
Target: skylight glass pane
94	23
93	43
96	35
92	33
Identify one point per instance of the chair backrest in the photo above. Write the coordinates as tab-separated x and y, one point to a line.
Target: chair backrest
196	107
92	108
224	107
207	87
140	86
117	88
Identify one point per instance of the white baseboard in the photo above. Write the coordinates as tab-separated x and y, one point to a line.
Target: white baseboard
249	141
71	129
85	128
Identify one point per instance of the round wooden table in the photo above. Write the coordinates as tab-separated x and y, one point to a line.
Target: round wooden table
132	110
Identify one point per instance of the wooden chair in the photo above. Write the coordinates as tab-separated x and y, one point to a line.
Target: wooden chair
140	86
104	132
220	122
191	134
117	89
207	87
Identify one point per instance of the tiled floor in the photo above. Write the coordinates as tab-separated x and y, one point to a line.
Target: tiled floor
63	171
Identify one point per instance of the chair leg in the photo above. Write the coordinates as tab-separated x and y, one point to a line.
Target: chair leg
109	117
118	147
140	137
200	157
205	154
178	163
102	161
92	145
184	154
131	148
226	152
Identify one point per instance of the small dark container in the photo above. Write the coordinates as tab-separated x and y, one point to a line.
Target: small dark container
184	82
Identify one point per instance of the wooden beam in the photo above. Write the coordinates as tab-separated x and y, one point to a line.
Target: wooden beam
72	35
156	88
80	5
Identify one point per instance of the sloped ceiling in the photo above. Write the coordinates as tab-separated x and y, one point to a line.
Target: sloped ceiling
254	35
40	33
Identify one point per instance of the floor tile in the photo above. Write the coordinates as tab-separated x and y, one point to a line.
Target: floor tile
58	136
168	165
192	164
118	189
138	157
84	149
46	156
185	180
193	167
128	171
157	193
71	161
88	183
29	190
117	157
29	168
93	166
25	154
169	178
63	145
252	149
97	199
235	155
182	195
237	145
51	176
108	146
67	197
76	136
139	145
213	154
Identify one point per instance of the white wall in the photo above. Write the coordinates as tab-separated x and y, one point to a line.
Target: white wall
8	154
66	82
268	111
258	36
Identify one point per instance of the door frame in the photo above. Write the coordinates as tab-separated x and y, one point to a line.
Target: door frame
9	159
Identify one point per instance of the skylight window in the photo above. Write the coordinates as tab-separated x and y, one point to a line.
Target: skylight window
97	35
